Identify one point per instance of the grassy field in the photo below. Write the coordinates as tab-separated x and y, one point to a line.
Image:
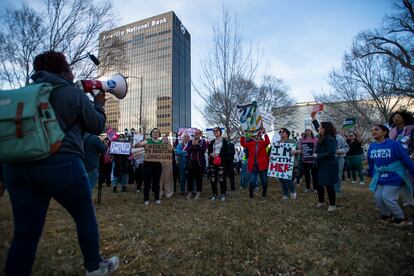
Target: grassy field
239	236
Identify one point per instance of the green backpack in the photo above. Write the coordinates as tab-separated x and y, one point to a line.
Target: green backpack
29	129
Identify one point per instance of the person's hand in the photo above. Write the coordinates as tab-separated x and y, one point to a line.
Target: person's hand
2	188
315	155
100	98
313	115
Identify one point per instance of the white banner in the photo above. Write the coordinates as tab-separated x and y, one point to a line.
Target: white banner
120	148
268	121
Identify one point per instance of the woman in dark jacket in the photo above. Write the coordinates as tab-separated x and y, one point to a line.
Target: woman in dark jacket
218	149
327	165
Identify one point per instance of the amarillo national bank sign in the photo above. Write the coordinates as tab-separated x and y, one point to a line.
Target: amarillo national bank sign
136	28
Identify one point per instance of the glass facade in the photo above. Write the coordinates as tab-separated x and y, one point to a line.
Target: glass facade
155	56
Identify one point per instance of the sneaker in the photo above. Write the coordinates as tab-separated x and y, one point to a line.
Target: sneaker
223	197
106	267
385	219
213	197
361	183
256	190
285	198
409	203
320	204
189	196
158	202
293	196
138	191
402	222
146	203
114	189
331	208
306	190
353	182
197	195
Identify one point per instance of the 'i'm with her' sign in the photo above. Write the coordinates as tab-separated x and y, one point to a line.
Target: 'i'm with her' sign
281	160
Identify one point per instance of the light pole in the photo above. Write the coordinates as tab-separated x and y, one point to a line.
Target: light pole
141	78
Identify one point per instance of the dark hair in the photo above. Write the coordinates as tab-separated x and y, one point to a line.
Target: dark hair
153	131
51	61
219	129
312	135
286	130
329	131
384	128
406	116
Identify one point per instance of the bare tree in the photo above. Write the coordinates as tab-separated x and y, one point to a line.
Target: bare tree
394	39
272	97
225	69
70	26
364	88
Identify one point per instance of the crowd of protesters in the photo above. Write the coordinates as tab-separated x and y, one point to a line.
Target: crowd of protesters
323	158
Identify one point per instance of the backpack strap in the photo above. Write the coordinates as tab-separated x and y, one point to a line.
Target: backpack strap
18	120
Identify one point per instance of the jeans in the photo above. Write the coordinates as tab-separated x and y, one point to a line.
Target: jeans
309	171
152	176
287	186
386	200
182	174
341	162
218	175
61	176
254	182
354	163
93	178
195	177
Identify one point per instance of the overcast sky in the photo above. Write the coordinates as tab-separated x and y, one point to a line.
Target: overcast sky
300	41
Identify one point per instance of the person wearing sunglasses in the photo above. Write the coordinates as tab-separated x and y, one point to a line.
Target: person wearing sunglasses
388	164
288	185
196	149
257	161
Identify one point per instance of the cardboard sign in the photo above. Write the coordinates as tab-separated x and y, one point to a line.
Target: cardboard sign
281	160
349	123
158	153
308	149
120	148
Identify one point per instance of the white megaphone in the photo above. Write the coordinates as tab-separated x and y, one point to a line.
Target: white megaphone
117	86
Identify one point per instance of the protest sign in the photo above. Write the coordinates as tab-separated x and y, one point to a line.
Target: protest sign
308	149
123	148
111	133
318	108
281	160
137	153
210	133
183	130
250	118
268	121
137	138
349	123
158	153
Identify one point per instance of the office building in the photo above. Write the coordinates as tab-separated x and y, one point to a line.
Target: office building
155	56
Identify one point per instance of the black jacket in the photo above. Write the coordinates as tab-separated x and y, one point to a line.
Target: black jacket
223	152
75	112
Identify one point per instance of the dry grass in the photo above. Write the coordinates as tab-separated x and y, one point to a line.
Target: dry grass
239	236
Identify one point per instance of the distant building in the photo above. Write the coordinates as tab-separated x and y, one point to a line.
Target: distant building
154	52
301	114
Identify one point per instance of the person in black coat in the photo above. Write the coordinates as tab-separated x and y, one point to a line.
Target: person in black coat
229	164
217	153
327	165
